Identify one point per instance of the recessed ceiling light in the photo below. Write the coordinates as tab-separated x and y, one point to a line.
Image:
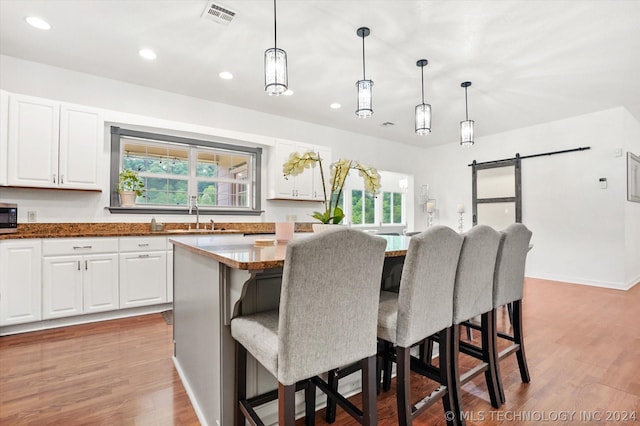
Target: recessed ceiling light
225	75
288	92
147	54
39	23
335	105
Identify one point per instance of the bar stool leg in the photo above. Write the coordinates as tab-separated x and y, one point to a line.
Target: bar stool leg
517	335
454	345
369	396
310	403
488	356
241	382
332	381
403	394
387	366
444	349
286	404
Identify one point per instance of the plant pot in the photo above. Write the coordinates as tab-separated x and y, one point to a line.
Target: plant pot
320	227
127	198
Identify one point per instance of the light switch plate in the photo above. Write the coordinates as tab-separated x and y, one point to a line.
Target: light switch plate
32	216
603	183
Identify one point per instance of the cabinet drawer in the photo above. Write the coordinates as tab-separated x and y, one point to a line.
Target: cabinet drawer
130	244
66	246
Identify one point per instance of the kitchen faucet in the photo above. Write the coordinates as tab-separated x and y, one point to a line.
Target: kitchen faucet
193	202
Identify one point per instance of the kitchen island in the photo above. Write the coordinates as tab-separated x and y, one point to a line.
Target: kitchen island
215	279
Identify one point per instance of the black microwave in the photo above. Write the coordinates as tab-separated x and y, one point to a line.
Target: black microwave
8	218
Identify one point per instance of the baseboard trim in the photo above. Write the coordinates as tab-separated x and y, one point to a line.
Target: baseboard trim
82	319
578	281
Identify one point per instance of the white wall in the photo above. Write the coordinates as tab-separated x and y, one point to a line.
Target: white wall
194	116
578	229
632	210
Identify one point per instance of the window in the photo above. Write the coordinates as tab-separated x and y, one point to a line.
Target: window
388	208
392	208
363	211
224	178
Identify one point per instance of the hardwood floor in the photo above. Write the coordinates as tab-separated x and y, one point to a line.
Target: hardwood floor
582	344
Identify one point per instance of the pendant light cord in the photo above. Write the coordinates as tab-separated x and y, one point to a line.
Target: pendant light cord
275	27
363	66
422	73
466	105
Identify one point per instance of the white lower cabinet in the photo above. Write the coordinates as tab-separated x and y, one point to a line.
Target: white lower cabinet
143	271
20	281
62	277
79	276
170	274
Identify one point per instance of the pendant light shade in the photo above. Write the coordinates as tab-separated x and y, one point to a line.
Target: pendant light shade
365	108
276	79
466	126
423	111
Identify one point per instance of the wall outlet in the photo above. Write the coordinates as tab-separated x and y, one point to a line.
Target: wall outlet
32	216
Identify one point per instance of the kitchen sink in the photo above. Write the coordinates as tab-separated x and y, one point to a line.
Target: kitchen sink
191	231
201	231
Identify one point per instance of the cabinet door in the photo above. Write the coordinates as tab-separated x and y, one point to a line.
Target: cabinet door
20	282
61	286
295	188
81	134
4	133
33	142
100	282
143	279
283	188
170	276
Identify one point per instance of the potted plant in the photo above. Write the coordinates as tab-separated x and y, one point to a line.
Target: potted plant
130	186
340	169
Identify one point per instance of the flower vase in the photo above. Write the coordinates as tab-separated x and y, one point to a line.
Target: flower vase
127	198
321	227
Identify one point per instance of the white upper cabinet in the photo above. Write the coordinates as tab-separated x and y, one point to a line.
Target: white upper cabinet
4	130
53	145
81	133
306	186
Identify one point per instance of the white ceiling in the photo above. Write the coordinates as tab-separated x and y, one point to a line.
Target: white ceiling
530	61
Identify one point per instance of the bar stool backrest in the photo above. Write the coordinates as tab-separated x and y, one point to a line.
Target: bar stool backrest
473	291
426	289
509	272
328	302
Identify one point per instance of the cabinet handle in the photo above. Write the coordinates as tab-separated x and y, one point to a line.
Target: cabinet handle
78	265
143	255
82	247
86	265
293	192
54	178
61	179
143	245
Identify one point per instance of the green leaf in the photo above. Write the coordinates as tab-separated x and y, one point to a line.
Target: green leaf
338	215
323	217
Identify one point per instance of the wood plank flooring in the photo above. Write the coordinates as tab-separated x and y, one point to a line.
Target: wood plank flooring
583	348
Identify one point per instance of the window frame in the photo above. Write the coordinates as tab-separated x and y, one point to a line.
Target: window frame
255	198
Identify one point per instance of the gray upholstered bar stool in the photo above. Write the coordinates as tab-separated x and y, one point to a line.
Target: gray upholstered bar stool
327	318
508	288
423	307
473	296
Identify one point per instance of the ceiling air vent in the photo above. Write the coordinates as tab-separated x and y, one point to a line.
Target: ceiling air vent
217	13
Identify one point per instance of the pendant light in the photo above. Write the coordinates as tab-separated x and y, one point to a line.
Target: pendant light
364	86
423	111
276	80
466	126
